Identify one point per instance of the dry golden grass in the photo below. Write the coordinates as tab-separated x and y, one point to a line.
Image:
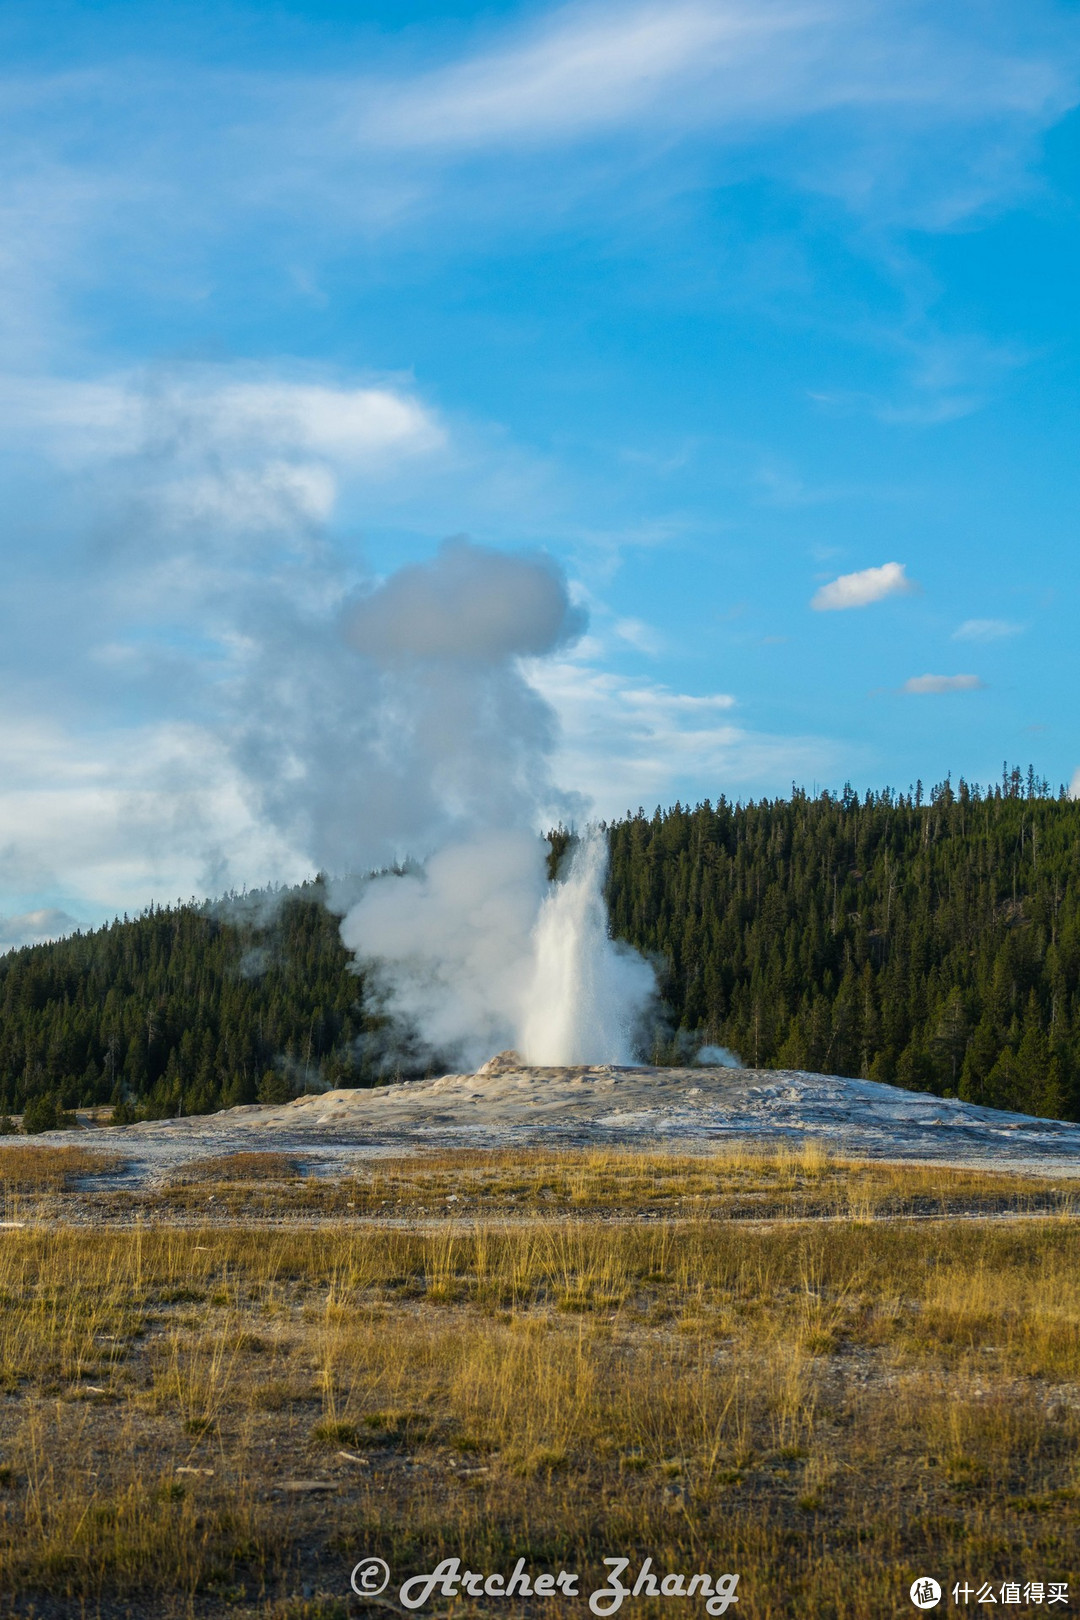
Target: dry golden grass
36	1180
736	1179
40	1169
734	1182
229	1168
830	1410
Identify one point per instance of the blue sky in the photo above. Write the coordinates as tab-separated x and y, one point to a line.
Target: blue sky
760	317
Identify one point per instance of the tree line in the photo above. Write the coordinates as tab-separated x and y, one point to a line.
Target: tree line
931	942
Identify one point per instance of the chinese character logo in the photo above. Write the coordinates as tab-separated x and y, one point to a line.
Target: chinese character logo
925	1592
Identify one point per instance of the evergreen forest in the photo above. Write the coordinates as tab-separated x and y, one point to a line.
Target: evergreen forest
933	943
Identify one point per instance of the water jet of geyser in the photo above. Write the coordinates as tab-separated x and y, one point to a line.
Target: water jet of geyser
588	991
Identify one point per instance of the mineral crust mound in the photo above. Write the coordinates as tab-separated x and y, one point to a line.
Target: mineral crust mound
507	1102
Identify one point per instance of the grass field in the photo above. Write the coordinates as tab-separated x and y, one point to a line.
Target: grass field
581	1356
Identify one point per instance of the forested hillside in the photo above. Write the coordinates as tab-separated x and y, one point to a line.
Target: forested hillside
935	945
185	1009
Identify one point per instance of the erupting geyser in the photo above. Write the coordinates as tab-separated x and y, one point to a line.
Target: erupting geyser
588	991
450	750
478	952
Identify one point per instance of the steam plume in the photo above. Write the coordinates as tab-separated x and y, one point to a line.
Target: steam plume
408	725
447	946
437	751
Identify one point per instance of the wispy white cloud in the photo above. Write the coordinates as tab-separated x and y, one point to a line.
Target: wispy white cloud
939	378
34	927
110	819
639	635
860	589
583	68
986	630
236	407
627	741
904	113
586	68
924	685
907	112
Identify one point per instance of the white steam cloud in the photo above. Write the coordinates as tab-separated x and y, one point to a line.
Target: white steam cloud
447	946
317	720
718	1057
449	755
413	726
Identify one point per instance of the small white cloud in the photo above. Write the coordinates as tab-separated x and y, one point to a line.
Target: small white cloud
1074	785
986	630
922	684
860	589
640	635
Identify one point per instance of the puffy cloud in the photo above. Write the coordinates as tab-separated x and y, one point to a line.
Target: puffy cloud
860	589
986	630
933	684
